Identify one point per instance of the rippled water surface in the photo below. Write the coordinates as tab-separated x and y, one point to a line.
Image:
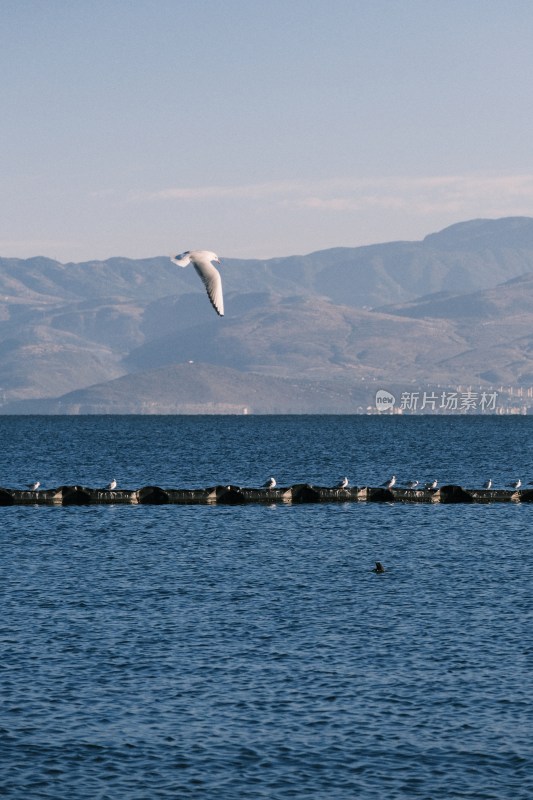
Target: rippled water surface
250	651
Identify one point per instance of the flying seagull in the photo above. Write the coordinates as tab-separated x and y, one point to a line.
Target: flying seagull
269	484
201	261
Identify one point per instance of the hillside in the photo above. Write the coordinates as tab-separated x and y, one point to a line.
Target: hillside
455	308
203	388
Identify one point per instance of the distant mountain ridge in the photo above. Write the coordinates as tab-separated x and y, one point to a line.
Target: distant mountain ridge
456	307
479	253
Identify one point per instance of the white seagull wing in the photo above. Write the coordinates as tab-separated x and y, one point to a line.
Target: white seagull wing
212	281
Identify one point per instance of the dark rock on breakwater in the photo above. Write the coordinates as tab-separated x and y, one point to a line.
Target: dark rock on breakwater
236	495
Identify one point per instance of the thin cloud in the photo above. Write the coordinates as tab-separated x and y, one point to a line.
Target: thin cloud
435	194
422	195
217	192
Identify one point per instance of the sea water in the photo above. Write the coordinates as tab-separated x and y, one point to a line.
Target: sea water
250	651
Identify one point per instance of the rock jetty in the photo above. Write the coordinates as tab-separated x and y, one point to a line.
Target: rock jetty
237	495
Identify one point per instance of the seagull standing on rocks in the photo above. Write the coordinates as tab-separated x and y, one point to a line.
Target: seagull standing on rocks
201	261
432	484
390	483
33	486
269	484
343	484
515	484
488	484
412	484
111	485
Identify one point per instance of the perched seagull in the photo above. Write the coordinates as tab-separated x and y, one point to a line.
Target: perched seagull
33	486
390	483
111	485
343	484
515	484
488	484
201	261
412	484
269	484
432	485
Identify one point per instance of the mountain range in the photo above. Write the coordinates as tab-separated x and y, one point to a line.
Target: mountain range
302	334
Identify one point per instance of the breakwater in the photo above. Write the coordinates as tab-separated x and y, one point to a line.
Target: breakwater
237	495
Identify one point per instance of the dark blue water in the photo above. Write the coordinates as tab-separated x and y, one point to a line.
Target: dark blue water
249	651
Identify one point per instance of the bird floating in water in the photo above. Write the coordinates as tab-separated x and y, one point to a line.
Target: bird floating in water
488	484
390	483
343	484
33	486
515	484
201	261
111	485
432	484
269	484
379	569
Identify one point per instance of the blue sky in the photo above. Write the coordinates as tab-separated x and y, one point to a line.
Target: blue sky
258	128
